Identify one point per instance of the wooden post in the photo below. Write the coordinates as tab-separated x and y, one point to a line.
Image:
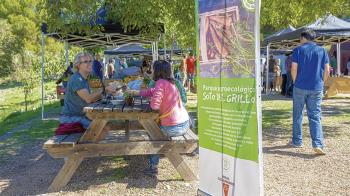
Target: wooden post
181	166
127	128
153	129
94	131
66	172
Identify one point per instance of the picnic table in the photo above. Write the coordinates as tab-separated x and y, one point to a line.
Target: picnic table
95	143
335	85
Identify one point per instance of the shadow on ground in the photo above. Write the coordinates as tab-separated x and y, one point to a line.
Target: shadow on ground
31	170
281	150
278	123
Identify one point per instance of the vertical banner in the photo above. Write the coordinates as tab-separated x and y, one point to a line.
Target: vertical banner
229	114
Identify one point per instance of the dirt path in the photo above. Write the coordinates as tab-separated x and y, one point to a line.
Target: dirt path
31	171
287	171
290	171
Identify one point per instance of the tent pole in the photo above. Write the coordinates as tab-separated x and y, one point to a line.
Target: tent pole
267	68
164	47
42	73
338	57
66	47
156	50
153	53
104	63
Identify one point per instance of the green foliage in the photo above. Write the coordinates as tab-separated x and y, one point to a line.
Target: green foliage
177	16
7	40
278	14
20	45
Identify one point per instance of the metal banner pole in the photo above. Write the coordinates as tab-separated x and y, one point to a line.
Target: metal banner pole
258	93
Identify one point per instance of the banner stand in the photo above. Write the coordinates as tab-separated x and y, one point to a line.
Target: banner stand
229	97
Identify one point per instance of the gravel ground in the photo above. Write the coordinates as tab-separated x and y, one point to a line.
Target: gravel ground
31	170
287	171
295	171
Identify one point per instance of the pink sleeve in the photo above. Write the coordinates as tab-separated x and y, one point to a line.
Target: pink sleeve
157	96
147	92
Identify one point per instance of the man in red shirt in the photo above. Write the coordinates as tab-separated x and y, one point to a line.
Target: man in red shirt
191	69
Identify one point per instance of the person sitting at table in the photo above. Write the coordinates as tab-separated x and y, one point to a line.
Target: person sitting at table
166	97
78	94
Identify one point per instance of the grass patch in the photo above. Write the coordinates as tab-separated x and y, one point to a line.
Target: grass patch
12	97
43	129
12	105
17	118
191	104
37	130
277	118
118	170
119	173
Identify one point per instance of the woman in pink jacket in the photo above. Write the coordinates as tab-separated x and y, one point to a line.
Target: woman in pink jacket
166	98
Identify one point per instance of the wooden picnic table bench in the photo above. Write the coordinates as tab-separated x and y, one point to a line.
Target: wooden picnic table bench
335	85
94	143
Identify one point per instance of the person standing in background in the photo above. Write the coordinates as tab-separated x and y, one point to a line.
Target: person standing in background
124	63
333	62
310	68
289	83
191	70
97	67
271	73
283	73
277	80
110	68
66	75
183	70
117	68
348	66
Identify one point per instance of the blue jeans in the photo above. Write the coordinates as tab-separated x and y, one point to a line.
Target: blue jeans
85	122
190	79
312	99
169	131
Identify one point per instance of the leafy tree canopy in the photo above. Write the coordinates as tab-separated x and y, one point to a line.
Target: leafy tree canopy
177	17
278	14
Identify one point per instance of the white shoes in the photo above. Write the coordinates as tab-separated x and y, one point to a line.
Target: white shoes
319	151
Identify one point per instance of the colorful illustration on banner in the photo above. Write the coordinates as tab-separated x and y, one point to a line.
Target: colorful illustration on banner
227	42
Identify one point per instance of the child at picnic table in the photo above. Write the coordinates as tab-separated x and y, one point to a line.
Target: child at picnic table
168	96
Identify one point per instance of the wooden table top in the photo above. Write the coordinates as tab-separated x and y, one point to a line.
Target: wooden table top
140	105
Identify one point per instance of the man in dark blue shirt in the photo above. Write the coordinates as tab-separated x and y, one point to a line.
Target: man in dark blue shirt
310	68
